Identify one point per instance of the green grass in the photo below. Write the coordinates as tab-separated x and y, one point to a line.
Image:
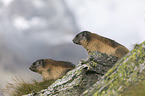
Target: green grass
20	87
136	45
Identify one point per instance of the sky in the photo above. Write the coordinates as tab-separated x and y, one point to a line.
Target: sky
6	2
120	20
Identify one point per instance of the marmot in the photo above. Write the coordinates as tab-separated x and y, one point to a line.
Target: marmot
51	69
93	42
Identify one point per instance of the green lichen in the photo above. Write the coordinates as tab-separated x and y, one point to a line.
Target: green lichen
126	71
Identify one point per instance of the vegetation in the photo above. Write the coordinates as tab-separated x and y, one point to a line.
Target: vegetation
136	45
125	78
135	90
20	87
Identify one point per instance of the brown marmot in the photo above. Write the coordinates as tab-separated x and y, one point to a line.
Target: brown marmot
51	69
93	42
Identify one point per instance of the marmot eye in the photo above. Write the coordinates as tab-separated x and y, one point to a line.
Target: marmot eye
34	63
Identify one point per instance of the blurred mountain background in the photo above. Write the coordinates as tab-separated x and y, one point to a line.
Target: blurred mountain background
36	29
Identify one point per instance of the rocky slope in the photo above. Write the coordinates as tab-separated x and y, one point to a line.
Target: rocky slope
96	76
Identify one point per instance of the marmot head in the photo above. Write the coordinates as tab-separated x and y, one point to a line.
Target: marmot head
38	66
81	37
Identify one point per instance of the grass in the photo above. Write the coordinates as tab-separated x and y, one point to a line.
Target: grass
20	87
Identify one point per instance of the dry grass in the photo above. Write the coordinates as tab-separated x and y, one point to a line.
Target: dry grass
20	87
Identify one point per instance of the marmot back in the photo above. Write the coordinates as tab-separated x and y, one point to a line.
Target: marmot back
51	69
93	42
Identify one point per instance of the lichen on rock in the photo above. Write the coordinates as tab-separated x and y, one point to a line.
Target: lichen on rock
127	71
100	75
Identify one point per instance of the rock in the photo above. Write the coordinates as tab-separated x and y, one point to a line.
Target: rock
127	71
100	75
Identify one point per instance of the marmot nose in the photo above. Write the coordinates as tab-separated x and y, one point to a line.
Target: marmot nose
75	41
33	69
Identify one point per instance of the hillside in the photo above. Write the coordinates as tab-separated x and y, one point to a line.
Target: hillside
101	75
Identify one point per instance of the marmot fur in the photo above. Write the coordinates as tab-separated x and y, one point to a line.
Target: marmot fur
93	42
51	69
